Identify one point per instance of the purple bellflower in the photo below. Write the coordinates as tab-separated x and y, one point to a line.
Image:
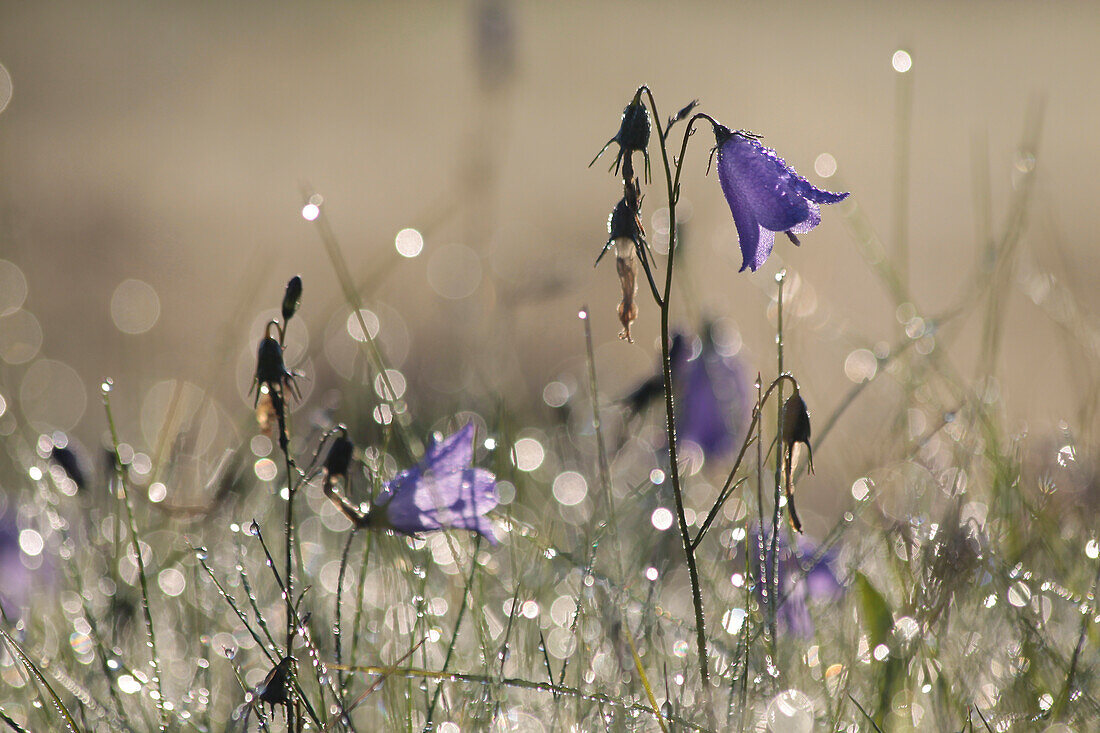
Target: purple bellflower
713	399
765	195
802	579
711	394
443	491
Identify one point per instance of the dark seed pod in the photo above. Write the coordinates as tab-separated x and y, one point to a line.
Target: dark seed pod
623	226
339	457
292	298
796	421
275	689
634	131
633	135
270	368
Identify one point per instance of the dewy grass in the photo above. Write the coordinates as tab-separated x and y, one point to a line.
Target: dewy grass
633	586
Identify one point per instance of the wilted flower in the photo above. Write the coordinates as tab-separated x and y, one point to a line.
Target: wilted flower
801	579
633	134
765	195
625	233
443	491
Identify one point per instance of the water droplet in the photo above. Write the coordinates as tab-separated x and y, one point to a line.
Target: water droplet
106	386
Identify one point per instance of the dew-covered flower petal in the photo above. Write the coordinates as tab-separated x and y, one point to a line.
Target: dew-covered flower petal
765	195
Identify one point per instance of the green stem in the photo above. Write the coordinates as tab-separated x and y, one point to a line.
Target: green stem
670	412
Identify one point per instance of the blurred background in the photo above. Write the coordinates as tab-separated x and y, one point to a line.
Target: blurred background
156	159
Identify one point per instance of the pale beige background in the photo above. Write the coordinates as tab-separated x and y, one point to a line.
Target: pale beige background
171	142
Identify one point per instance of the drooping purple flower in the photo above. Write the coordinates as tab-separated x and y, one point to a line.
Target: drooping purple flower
765	195
802	579
710	392
443	491
713	399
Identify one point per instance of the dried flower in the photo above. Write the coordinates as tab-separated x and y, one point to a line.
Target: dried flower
633	134
292	298
765	195
625	233
443	491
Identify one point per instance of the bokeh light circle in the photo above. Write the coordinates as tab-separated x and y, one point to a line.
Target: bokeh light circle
20	337
409	242
52	396
13	284
135	306
6	87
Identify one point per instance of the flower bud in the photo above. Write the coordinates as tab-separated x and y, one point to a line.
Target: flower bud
796	422
339	458
633	134
275	689
292	298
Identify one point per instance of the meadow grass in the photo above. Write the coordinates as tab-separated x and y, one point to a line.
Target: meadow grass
964	559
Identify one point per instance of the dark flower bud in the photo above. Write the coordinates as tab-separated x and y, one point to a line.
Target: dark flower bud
292	298
339	458
796	429
71	464
796	423
275	689
634	130
633	134
271	371
682	114
269	361
624	228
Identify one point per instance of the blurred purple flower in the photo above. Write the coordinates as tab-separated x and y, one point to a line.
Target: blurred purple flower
801	579
712	398
443	491
15	578
765	195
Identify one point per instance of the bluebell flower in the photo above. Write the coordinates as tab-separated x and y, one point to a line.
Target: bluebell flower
443	491
711	395
713	399
765	195
802	579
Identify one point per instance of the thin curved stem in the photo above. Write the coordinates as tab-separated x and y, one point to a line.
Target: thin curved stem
670	411
729	487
